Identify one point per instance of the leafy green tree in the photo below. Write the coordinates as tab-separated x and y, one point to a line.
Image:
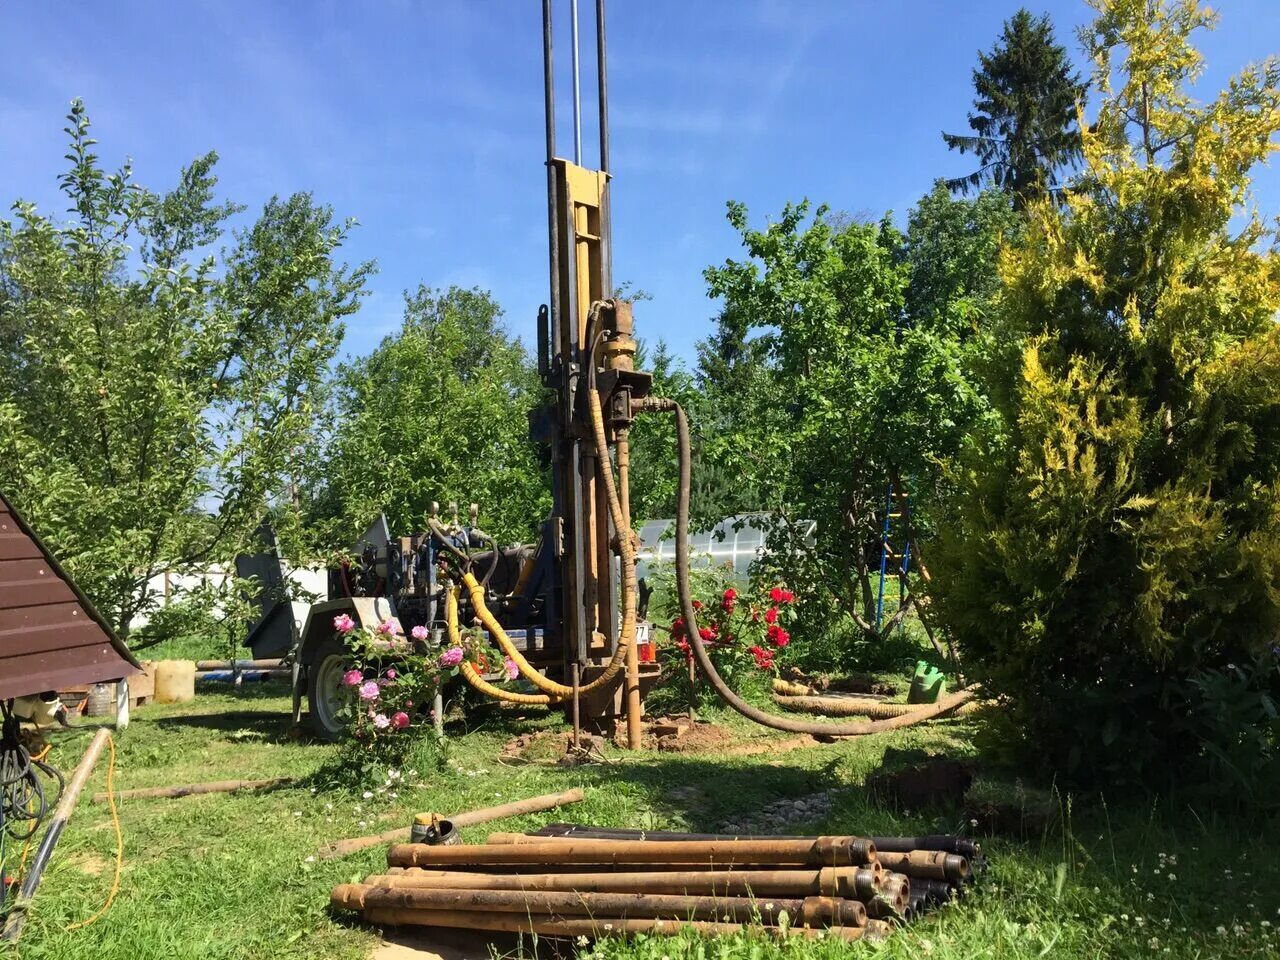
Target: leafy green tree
1113	562
845	391
1024	114
653	472
437	412
156	394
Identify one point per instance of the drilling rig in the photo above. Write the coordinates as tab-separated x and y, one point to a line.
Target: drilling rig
569	603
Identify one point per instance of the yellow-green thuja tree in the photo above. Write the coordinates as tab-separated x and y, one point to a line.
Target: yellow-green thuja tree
1112	565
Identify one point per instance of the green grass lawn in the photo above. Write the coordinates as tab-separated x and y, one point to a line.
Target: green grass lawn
234	875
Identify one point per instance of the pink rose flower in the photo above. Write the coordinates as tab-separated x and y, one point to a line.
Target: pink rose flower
451	657
389	627
352	678
399	719
369	690
381	721
343	623
513	671
420	632
391	673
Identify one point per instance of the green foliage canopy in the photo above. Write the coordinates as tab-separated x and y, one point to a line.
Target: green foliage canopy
437	412
843	388
1024	119
157	395
1117	541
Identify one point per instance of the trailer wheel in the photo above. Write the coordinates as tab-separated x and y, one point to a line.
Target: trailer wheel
324	687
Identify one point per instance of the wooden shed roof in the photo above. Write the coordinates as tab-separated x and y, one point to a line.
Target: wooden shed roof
51	637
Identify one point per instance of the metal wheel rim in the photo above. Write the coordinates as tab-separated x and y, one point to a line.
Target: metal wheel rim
328	682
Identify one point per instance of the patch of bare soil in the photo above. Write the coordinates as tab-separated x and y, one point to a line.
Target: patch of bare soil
432	943
88	863
937	781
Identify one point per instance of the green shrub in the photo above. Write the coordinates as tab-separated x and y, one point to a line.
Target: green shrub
1113	560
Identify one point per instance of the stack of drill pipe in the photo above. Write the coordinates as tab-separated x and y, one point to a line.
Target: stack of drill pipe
572	880
804	887
940	866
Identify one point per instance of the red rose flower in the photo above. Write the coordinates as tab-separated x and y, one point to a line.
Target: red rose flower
697	604
771	615
776	594
781	638
763	658
787	596
707	634
677	628
731	594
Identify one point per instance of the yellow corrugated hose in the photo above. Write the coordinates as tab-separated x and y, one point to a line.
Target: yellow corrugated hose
626	553
469	672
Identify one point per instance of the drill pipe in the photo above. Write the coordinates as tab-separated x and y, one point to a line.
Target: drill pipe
944	842
928	865
892	899
810	911
834	851
599	926
850	883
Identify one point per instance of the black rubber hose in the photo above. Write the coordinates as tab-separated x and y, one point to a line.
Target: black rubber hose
788	724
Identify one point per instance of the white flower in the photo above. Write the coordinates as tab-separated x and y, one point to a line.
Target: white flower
393	774
297	813
1222	931
582	941
1173	876
367	795
362	824
328	806
1124	917
309	860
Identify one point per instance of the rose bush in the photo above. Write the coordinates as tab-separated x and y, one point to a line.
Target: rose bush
747	633
393	680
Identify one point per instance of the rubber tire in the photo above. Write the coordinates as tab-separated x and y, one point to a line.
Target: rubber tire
320	674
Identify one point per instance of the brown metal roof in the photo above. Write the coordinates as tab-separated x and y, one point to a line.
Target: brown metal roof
51	637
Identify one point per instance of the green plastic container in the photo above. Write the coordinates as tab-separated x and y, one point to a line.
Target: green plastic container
928	684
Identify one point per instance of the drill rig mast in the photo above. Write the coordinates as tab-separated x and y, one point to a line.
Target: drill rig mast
563	606
585	342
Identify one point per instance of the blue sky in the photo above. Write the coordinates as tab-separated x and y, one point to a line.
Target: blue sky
424	120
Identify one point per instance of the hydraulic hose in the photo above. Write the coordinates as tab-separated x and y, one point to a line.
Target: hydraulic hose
789	724
469	672
626	553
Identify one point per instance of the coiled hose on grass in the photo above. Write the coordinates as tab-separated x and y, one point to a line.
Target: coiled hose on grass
788	724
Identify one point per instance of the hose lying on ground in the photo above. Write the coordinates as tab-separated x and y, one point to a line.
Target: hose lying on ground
789	724
856	707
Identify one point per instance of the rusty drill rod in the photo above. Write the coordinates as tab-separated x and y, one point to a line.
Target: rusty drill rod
547	801
851	883
944	842
810	911
819	851
928	865
194	789
598	926
892	899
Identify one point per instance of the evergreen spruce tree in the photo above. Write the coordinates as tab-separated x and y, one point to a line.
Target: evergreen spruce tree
1024	115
